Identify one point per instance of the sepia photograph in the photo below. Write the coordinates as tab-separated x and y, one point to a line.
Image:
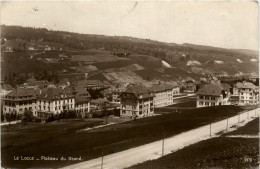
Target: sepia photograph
129	84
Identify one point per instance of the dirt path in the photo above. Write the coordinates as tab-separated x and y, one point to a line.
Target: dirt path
153	150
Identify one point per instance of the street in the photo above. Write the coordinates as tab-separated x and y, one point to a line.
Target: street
154	150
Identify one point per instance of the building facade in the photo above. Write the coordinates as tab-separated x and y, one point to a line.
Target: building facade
164	94
82	101
55	100
20	100
213	94
248	94
136	102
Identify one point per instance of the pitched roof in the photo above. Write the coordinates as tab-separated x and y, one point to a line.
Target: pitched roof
246	85
160	88
54	93
213	89
107	91
79	99
94	82
225	86
18	92
81	91
99	101
139	90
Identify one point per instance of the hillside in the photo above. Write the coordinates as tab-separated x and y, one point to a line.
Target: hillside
113	58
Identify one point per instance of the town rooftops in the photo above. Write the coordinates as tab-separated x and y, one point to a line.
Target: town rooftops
225	86
94	83
246	85
56	93
23	92
140	91
212	89
39	84
80	99
99	101
81	91
160	87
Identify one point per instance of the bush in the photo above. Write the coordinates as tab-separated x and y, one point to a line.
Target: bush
51	118
37	120
115	112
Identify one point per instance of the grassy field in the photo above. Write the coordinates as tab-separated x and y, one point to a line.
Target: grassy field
62	139
221	152
252	128
179	104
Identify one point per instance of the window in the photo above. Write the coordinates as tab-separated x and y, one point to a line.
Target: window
200	103
212	104
206	97
212	97
201	97
207	103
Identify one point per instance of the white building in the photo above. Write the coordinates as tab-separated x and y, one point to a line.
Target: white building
82	101
20	100
136	102
213	94
248	94
164	94
55	100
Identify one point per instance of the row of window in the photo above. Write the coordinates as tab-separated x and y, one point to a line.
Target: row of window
251	94
207	97
206	104
56	102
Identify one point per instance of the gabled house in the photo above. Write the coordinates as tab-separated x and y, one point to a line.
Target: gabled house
136	102
21	100
248	94
213	94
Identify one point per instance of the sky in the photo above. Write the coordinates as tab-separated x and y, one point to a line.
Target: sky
220	24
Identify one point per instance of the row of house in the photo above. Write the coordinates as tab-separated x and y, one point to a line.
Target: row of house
217	93
50	100
138	101
135	102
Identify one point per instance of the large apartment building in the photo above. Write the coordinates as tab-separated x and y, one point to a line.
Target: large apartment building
20	100
248	94
136	102
213	94
164	94
56	100
82	101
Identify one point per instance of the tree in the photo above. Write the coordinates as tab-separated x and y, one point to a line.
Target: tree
104	110
28	116
8	117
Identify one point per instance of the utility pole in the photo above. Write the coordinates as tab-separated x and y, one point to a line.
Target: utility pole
227	125
210	129
163	147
